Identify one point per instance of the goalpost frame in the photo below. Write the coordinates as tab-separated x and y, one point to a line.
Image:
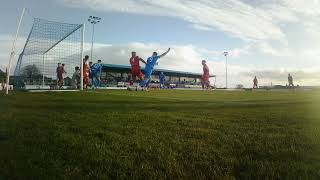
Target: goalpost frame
13	51
82	26
43	68
82	56
63	39
78	28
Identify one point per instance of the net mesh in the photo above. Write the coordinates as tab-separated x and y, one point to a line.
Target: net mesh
48	44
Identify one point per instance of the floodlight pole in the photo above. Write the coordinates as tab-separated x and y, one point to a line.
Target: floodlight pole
13	51
226	55
93	20
92	39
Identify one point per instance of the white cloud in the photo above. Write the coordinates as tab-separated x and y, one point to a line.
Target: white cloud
202	27
266	48
279	76
281	13
5	49
258	22
188	58
308	8
235	17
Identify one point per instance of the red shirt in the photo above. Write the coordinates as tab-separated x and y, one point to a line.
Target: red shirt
85	69
135	62
206	70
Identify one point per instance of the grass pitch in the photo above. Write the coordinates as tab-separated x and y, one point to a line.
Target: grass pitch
160	134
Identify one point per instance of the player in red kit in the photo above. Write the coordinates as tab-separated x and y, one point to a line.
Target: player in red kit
85	72
135	67
205	76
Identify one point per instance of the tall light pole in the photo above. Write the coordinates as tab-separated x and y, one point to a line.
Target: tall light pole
226	55
93	20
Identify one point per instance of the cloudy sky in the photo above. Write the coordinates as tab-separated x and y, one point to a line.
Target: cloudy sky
266	38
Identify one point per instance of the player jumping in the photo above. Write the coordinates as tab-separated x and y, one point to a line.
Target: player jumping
151	62
206	76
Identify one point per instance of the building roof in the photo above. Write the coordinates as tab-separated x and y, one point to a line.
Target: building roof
167	72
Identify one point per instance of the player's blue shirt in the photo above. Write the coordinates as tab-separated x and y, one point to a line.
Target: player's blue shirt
96	69
162	78
151	62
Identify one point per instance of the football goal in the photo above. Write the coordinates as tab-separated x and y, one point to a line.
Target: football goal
48	44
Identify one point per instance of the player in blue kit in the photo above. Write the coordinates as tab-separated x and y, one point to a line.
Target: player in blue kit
151	62
162	79
96	70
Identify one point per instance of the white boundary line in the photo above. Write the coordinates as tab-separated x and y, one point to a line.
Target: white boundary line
39	91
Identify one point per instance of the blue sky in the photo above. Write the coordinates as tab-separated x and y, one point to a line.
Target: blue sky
266	38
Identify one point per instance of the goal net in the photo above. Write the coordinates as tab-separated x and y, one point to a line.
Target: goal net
48	44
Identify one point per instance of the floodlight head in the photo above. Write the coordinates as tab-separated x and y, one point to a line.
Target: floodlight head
90	16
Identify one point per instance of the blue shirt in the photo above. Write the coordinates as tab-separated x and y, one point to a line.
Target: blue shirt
96	69
151	62
162	78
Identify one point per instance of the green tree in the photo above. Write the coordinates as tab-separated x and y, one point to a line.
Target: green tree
2	76
31	72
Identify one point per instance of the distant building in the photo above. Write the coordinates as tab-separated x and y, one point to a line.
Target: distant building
113	74
273	87
116	76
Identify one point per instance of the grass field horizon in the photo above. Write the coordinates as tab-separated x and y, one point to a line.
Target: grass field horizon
160	135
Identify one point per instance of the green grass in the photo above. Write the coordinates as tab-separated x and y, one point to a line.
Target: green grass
160	135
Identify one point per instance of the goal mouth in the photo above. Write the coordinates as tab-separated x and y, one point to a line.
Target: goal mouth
52	57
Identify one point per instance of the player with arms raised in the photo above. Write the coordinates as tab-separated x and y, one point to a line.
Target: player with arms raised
151	62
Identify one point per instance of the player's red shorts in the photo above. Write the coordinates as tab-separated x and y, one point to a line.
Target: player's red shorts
205	78
60	77
137	73
85	78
